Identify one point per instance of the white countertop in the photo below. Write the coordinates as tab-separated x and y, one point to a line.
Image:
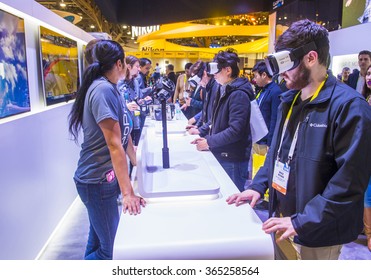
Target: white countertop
186	216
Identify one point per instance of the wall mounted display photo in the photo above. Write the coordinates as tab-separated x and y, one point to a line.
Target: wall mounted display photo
59	56
356	12
14	90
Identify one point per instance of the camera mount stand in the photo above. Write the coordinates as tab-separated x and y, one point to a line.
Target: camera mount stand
165	148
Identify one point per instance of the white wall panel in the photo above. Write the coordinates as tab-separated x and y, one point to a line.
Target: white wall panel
37	159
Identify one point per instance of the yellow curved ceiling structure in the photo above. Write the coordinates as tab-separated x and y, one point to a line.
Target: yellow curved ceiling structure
156	41
187	30
257	46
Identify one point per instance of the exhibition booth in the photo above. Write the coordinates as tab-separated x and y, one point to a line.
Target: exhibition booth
186	217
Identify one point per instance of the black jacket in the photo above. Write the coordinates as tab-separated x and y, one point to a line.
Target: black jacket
230	136
353	79
333	165
203	123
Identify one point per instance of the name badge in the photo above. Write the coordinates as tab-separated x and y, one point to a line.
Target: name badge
281	177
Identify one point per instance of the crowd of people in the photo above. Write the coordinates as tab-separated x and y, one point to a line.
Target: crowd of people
317	136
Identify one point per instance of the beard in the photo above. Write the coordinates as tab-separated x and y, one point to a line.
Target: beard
301	78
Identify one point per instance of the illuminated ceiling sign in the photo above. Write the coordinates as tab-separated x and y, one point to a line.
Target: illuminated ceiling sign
141	30
278	3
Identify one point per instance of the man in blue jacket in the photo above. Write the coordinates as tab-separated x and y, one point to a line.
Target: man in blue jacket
268	101
229	135
356	80
319	163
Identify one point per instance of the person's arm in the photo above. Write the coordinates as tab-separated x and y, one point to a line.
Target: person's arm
260	180
197	104
112	134
130	151
204	129
177	89
196	101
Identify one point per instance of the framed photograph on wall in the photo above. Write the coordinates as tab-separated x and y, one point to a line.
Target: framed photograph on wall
60	66
356	12
14	89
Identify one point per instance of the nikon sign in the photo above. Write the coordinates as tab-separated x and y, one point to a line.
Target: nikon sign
141	30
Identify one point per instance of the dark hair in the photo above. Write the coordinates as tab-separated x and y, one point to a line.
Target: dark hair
366	91
195	68
188	65
170	67
130	60
366	52
228	58
345	69
88	53
106	54
303	32
144	61
261	68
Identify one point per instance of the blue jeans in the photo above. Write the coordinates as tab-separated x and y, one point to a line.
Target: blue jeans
101	202
368	195
237	171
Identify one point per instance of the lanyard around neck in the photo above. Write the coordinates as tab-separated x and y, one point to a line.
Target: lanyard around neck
293	144
258	95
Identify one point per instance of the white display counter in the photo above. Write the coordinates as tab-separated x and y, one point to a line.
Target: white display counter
186	216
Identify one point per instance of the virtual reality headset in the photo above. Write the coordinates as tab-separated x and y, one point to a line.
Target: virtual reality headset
211	69
289	59
194	81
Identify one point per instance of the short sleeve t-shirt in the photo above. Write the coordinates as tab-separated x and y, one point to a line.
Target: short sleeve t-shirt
102	102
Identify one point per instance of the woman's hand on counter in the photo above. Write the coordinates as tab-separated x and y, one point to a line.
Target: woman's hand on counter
133	204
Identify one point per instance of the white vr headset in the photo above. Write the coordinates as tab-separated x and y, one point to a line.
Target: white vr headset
289	59
211	69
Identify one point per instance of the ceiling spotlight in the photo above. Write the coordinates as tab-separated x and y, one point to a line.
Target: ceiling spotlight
125	26
92	26
62	4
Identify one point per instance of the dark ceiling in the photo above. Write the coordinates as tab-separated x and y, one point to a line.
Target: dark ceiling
116	17
153	12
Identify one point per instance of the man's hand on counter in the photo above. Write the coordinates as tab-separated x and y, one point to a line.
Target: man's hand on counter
247	196
201	144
